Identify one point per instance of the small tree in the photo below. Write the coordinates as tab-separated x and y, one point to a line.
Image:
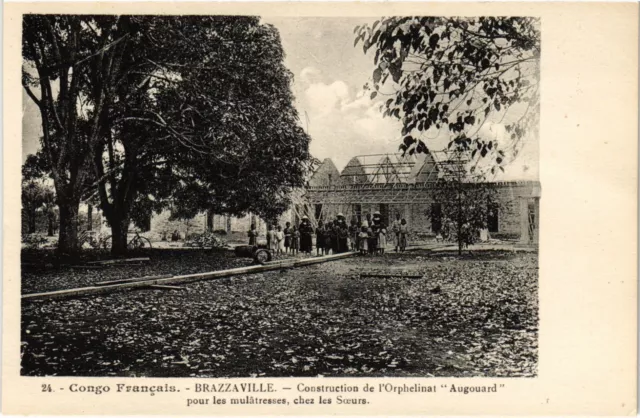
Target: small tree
465	198
465	209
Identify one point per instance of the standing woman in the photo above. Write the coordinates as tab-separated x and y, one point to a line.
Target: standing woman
343	234
305	235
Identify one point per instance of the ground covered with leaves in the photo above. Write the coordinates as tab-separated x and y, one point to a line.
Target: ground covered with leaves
470	316
42	271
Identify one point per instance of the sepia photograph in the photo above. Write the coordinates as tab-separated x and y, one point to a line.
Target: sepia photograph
258	196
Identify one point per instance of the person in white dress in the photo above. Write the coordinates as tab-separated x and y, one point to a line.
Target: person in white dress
279	238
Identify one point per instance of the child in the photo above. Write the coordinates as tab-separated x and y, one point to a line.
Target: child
295	240
271	239
364	240
287	237
404	229
382	240
319	239
279	235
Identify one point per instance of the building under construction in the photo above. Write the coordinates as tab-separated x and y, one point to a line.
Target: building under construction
395	184
390	184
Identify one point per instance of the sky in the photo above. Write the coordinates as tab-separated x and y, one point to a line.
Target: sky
342	120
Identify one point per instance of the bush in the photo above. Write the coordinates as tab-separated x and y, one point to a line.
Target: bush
220	232
206	240
33	240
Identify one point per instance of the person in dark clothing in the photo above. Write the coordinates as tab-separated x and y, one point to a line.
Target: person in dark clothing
269	227
326	238
306	230
342	234
334	237
287	237
320	239
295	240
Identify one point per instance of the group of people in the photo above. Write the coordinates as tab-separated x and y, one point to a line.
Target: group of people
371	236
335	237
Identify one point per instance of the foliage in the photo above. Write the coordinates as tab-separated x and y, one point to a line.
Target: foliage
36	196
457	74
35	167
465	209
482	322
171	109
34	241
205	240
57	51
238	128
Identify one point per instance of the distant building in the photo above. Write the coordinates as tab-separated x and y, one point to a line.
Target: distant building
392	183
388	183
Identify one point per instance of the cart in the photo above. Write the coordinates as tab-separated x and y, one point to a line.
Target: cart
259	253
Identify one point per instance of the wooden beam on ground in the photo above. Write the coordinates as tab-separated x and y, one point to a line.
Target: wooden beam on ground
183	279
135	279
121	260
165	287
91	267
404	276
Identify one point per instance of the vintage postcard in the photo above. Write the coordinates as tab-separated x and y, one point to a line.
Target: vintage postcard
320	209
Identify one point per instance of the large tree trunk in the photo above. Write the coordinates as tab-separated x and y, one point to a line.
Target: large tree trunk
31	221
119	228
68	237
89	217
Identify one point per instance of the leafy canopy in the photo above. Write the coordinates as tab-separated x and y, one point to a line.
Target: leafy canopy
456	75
